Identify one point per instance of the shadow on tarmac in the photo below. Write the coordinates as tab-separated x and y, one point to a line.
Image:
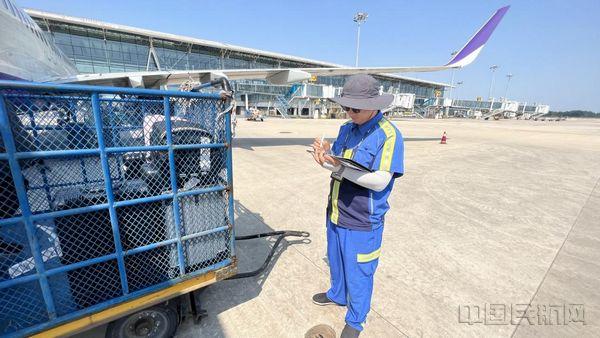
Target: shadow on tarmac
224	295
249	143
227	294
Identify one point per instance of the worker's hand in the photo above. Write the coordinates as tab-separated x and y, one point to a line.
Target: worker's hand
332	160
320	149
325	145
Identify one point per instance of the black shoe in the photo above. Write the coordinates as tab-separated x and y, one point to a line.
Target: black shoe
349	332
322	299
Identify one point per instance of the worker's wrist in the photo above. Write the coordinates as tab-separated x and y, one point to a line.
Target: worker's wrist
337	174
331	167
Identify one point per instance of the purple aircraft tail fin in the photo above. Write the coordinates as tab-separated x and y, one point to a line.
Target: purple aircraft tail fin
470	51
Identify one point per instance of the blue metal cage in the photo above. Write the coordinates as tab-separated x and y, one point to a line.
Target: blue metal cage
107	194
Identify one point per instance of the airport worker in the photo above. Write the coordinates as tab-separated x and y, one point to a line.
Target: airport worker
358	199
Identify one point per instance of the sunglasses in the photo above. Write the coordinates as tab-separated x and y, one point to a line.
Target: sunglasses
354	110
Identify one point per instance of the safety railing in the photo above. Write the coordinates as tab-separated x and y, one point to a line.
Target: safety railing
259	88
107	194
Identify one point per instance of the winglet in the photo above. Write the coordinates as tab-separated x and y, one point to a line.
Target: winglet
471	50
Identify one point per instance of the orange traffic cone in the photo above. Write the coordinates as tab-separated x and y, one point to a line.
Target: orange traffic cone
443	138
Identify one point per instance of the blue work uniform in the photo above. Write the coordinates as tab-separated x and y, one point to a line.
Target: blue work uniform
355	214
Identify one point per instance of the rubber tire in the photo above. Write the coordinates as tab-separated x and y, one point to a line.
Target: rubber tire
167	314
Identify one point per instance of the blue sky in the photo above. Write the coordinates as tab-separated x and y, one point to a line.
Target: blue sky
551	47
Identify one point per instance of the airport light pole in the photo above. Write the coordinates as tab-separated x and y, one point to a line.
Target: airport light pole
493	69
359	18
457	85
508	76
452	77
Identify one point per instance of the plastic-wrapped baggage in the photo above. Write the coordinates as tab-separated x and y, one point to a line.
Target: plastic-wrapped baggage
49	178
201	213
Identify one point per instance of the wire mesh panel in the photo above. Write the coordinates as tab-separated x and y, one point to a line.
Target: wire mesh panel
200	215
9	204
107	194
52	183
52	122
18	318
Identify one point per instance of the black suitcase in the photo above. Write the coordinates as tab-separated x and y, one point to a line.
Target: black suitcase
9	204
204	164
89	235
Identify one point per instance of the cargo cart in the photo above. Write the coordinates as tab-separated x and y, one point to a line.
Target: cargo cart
112	200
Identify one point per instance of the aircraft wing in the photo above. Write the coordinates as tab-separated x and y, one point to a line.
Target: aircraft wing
152	79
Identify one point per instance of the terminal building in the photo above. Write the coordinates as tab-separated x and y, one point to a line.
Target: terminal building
99	47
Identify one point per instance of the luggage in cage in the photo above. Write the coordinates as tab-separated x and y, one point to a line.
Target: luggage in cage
200	163
101	249
197	214
8	195
16	261
90	235
16	254
9	203
48	179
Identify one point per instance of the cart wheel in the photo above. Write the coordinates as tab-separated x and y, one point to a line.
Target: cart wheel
155	322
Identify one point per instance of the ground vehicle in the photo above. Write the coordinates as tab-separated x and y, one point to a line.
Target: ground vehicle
80	172
255	115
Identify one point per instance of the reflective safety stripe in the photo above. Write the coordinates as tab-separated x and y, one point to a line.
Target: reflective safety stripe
388	146
335	193
364	258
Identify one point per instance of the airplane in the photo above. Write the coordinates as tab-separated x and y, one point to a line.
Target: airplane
26	53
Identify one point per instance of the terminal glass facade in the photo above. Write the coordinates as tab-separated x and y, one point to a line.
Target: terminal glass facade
97	50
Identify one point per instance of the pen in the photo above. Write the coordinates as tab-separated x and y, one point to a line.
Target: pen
322	139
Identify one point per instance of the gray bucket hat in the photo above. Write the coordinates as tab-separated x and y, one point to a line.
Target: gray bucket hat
361	91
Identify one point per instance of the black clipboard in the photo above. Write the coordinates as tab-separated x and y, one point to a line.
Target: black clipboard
349	163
